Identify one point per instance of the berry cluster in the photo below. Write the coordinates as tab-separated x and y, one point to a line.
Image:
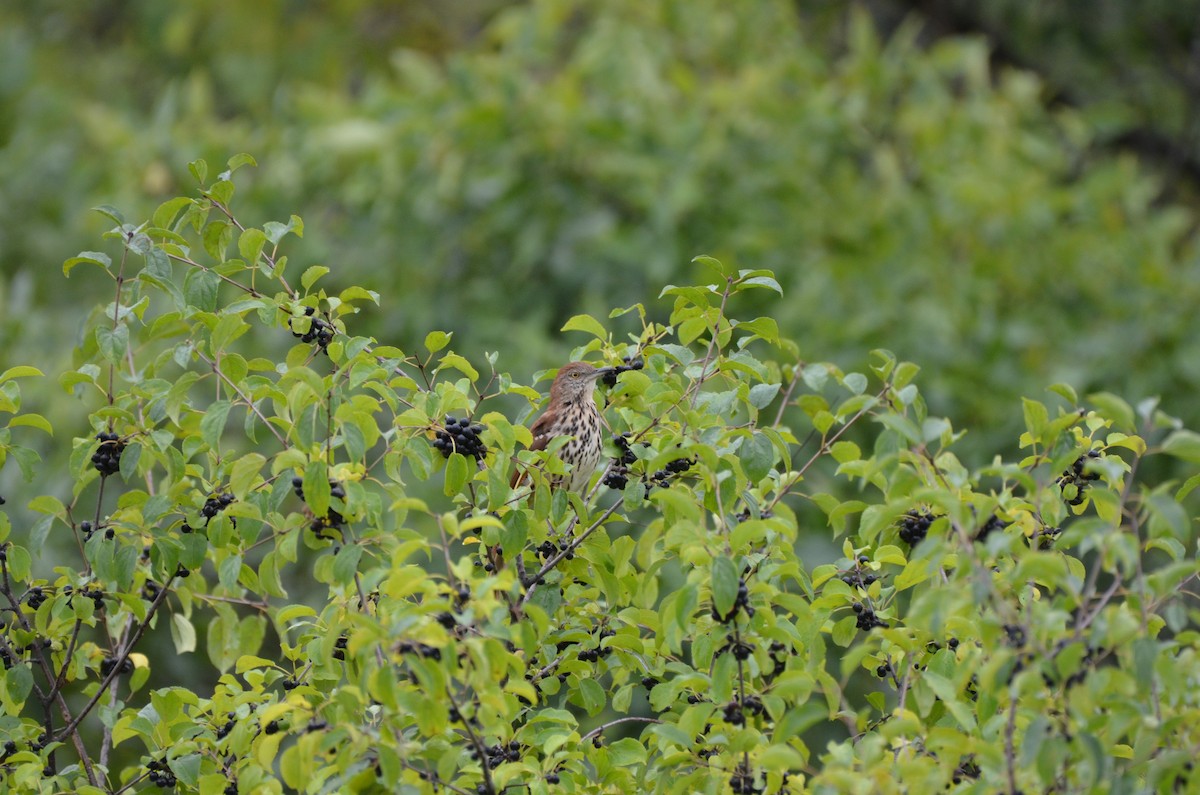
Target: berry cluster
35	598
860	576
10	748
1076	479
662	477
160	774
933	646
740	649
500	753
779	654
867	620
993	524
412	647
735	711
107	458
885	669
319	331
215	504
746	515
549	549
741	603
227	727
630	363
967	770
1045	537
1015	635
108	664
460	436
592	655
1089	661
742	782
88	528
339	647
89	592
914	526
150	590
617	476
332	520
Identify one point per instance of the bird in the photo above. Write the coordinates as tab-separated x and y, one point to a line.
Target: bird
572	412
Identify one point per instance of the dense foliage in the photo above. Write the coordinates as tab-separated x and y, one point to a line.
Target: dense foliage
907	196
307	521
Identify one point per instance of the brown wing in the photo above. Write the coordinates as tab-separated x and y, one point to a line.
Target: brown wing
540	431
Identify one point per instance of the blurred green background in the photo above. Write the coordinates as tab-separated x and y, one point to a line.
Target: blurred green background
1004	195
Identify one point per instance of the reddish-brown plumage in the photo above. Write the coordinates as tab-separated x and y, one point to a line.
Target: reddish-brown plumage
572	412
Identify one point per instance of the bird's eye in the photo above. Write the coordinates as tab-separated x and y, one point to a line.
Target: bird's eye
575	375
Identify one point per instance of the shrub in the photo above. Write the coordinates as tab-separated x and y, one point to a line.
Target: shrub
308	520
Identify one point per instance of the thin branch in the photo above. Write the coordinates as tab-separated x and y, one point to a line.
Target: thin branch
617	722
243	397
562	553
119	662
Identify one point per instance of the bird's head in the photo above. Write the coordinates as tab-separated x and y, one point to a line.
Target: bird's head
575	380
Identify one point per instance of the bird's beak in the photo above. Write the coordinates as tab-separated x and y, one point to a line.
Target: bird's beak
603	371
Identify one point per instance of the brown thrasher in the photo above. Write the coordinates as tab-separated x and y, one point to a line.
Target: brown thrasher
572	412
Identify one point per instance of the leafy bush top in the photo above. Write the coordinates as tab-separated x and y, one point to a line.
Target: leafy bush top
260	483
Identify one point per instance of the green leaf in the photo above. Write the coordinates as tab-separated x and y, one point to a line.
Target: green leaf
200	289
164	217
18	681
725	581
183	633
186	768
250	245
311	275
855	382
239	160
761	395
212	424
457	472
1036	417
228	329
199	170
345	564
110	212
32	421
453	360
276	231
19	563
113	342
761	281
316	487
436	340
245	473
719	268
764	327
591	694
757	455
89	258
20	371
1183	444
588	324
1114	408
217	236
